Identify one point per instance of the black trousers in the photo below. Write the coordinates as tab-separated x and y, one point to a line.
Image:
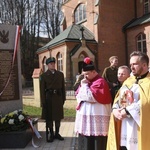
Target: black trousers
92	142
123	148
57	124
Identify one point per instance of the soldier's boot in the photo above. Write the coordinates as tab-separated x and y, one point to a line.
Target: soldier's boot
51	138
57	135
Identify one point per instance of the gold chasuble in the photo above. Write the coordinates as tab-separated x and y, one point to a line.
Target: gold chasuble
113	142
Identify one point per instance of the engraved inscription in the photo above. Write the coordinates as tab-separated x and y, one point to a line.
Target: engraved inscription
9	84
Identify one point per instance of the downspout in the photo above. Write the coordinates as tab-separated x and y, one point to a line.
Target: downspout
135	9
126	48
71	71
50	51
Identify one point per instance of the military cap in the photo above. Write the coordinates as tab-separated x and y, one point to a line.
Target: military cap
49	60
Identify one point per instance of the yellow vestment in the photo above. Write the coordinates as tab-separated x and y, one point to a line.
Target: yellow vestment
113	142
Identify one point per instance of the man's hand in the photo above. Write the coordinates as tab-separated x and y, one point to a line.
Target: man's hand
117	113
123	112
84	80
114	84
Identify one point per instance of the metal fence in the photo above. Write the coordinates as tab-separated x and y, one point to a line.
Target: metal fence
70	94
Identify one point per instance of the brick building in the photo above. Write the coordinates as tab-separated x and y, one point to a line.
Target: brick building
98	29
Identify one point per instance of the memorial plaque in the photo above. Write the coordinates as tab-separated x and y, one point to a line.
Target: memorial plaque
8	76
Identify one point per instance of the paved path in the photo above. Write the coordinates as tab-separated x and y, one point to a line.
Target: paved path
66	130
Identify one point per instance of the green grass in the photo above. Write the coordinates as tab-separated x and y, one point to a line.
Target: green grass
69	112
36	111
32	111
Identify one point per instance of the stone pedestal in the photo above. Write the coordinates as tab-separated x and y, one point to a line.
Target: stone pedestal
36	82
18	139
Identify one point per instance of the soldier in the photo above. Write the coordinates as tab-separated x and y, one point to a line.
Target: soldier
110	74
52	89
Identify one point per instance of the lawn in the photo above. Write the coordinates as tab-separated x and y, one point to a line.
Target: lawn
36	111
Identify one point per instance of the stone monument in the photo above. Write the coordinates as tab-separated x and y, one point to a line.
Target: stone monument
10	84
10	69
36	82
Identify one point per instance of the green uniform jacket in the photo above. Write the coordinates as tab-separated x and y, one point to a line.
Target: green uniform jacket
53	103
110	75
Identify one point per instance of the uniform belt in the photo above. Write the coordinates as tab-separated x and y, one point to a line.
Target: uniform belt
54	91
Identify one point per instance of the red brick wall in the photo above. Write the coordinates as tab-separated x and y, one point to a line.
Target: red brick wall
68	10
131	36
114	15
140	8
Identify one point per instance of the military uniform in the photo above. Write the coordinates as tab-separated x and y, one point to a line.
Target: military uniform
52	90
110	75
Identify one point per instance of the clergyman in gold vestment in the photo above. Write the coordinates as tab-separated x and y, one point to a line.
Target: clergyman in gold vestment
120	129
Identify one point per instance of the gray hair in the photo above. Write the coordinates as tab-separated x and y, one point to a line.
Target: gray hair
125	67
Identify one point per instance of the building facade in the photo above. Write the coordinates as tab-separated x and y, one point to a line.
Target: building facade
98	29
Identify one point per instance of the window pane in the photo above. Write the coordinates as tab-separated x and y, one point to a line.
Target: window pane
144	46
141	43
139	37
143	36
80	13
139	46
96	2
84	12
146	6
76	16
60	62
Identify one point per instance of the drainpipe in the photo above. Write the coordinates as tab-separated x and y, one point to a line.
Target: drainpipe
50	51
71	72
135	9
126	49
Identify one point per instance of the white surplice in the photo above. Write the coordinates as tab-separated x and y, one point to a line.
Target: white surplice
92	118
129	127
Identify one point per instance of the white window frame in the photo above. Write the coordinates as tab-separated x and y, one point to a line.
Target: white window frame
80	13
59	62
141	43
146	6
45	67
65	1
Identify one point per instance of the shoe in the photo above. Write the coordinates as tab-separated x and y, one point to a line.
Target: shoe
59	137
51	138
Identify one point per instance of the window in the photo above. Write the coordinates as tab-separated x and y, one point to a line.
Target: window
96	2
59	62
96	17
141	43
44	65
146	6
65	1
80	13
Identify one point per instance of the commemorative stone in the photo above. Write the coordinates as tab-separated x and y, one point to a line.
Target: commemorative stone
10	69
